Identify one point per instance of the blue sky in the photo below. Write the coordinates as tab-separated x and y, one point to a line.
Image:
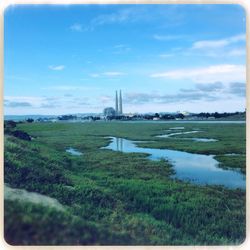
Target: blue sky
61	59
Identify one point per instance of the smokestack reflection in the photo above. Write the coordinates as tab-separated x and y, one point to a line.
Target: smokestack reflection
119	144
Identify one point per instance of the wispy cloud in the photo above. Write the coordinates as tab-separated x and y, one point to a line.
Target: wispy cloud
238	88
70	88
132	15
14	104
166	55
210	87
107	74
118	46
212	44
106	98
23	101
167	37
76	27
121	48
57	67
237	52
49	105
226	47
205	87
113	73
214	73
35	102
208	92
142	98
121	16
94	75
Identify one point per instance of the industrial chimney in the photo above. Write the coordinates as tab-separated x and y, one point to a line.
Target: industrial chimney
120	103
116	103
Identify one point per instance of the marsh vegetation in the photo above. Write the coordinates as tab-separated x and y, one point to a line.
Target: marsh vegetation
115	198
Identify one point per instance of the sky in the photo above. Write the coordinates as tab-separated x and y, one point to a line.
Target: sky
65	59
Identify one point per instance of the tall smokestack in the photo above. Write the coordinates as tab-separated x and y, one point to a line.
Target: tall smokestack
116	103
120	103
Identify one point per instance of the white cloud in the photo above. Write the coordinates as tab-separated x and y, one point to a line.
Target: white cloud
223	73
94	75
76	27
210	44
33	101
121	48
108	73
237	52
222	48
113	73
106	98
57	67
118	46
69	88
167	37
221	43
237	38
142	14
121	16
166	55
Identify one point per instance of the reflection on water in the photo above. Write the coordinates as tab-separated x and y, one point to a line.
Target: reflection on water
197	168
201	139
178	133
177	128
232	154
73	151
119	142
187	132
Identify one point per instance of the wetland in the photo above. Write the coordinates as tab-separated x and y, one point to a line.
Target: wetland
121	184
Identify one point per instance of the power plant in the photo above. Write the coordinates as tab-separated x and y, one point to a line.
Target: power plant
118	104
109	111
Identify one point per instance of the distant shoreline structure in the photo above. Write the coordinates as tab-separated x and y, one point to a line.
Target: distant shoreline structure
161	116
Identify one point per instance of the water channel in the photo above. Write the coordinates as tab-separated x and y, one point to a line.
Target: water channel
73	151
178	133
196	168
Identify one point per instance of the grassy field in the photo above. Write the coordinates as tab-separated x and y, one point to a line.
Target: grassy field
112	198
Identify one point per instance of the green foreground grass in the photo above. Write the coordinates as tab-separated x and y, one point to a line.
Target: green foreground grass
112	198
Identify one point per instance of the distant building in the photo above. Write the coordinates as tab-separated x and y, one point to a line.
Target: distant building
118	104
109	111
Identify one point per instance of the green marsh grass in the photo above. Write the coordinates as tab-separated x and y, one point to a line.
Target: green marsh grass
112	198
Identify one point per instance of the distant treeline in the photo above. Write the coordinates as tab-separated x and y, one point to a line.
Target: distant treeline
219	115
156	116
74	117
177	116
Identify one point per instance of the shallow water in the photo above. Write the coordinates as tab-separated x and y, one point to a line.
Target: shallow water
187	132
232	154
196	168
178	133
177	128
202	139
73	151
